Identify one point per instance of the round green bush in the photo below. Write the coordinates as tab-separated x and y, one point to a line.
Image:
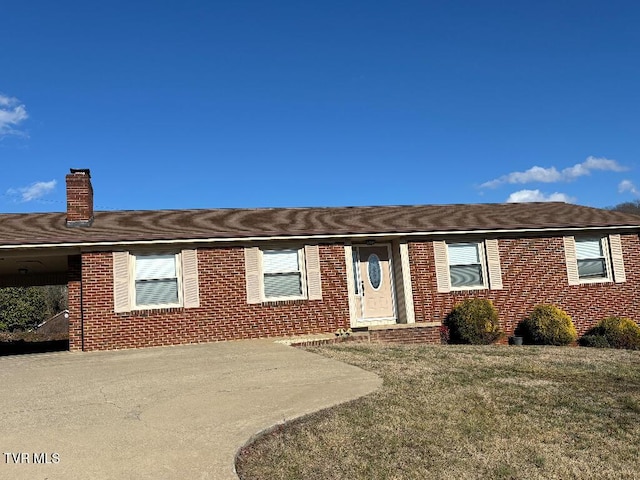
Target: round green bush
549	325
474	321
620	332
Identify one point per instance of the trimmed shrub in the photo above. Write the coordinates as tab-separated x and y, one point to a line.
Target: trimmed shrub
474	321
548	325
597	341
619	332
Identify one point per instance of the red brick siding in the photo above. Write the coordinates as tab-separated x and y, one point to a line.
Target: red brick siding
533	272
74	295
223	313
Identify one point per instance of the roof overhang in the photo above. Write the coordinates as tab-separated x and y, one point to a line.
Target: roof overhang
316	237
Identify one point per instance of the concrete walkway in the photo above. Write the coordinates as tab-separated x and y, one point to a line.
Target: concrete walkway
158	413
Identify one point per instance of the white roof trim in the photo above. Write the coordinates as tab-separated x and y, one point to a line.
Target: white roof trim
312	237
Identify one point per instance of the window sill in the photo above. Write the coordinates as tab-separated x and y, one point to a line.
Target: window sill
284	301
157	307
595	281
145	312
468	289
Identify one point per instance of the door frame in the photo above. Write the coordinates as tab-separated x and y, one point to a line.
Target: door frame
356	307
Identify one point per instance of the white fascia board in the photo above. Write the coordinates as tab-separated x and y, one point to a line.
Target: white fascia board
312	237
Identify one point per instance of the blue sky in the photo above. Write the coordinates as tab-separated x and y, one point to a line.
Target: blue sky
197	104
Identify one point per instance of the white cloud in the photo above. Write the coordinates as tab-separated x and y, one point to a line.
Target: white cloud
523	196
34	191
534	174
12	114
552	175
628	186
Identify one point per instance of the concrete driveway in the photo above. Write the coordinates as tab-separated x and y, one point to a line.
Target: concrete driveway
158	413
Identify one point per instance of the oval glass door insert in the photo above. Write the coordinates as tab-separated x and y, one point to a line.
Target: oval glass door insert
374	271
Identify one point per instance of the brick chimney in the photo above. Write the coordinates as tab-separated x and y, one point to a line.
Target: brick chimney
79	198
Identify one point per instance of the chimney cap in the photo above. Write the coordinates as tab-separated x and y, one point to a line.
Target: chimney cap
82	171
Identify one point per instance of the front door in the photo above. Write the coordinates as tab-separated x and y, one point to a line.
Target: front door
374	289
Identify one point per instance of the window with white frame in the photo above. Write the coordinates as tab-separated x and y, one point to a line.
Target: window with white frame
282	273
466	265
156	280
593	259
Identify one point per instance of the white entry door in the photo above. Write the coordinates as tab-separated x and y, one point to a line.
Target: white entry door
374	291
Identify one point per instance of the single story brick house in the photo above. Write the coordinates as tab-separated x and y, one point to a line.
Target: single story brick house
146	278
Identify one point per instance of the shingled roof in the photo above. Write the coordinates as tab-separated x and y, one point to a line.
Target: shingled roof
134	226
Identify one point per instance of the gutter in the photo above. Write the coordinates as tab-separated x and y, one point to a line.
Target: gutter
313	237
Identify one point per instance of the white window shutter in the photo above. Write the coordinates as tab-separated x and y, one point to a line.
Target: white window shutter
571	260
493	264
121	283
442	266
252	272
617	261
191	294
312	263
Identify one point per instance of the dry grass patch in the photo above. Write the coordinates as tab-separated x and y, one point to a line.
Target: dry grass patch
467	412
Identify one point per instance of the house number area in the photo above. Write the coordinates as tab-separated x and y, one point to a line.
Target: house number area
24	458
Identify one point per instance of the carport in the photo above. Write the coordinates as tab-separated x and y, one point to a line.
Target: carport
28	267
37	267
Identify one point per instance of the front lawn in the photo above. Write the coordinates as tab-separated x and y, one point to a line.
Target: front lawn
466	412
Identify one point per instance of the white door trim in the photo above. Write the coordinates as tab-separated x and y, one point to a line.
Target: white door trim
405	267
355	306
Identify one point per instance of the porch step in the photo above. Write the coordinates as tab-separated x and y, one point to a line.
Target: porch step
428	333
324	339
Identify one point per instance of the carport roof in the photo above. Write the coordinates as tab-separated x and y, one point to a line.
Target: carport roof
168	225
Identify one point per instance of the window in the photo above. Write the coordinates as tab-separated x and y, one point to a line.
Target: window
470	265
150	280
285	273
356	272
282	273
156	280
592	261
466	265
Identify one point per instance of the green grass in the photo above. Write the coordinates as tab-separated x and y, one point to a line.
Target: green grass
466	412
